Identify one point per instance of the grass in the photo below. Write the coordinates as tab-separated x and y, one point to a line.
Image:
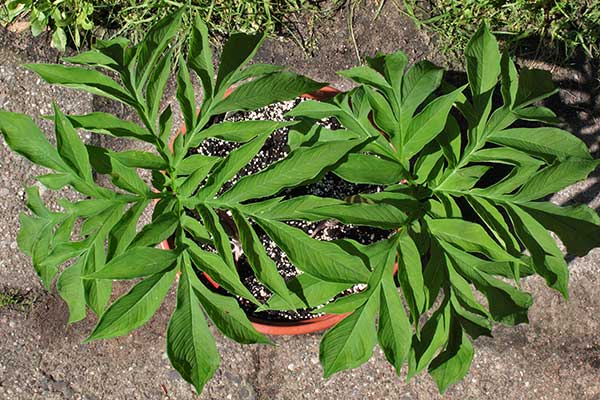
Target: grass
12	298
541	28
132	18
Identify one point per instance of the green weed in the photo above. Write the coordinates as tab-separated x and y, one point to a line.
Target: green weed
555	28
12	298
76	21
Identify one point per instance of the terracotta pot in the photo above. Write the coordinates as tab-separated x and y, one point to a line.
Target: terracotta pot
268	327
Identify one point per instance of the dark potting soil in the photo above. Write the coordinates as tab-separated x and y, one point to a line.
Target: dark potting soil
330	185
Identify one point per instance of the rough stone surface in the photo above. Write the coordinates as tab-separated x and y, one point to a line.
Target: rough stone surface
556	356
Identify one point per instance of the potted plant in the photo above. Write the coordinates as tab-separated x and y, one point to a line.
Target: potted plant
422	184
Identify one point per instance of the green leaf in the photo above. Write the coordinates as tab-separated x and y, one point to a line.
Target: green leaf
92	58
345	304
300	166
136	262
402	197
195	228
323	260
394	332
306	292
154	43
554	178
62	252
300	207
157	83
101	221
383	216
350	343
464	178
539	114
469	236
55	181
97	292
127	178
218	271
428	123
496	223
510	80
506	303
220	238
115	48
108	124
200	56
370	169
238	131
88	80
64	230
196	162
238	50
256	70
70	146
410	275
383	116
230	166
192	182
483	67
422	79
534	85
450	141
451	365
393	68
367	76
429	164
434	274
578	227
35	203
463	297
70	287
473	322
543	142
139	159
24	137
185	96
434	336
483	62
191	347
381	257
272	88
525	167
122	234
135	308
88	208
548	260
263	266
165	125
226	314
35	237
158	230
314	109
59	39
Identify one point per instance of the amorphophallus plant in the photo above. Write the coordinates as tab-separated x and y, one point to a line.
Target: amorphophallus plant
461	207
465	183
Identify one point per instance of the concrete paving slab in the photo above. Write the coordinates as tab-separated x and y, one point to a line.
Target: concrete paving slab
557	356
